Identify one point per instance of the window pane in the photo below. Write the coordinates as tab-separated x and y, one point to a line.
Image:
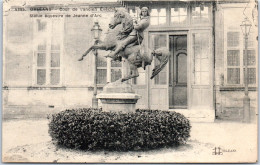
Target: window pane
41	25
200	13
158	41
251	75
175	11
183	19
179	15
41	59
162	20
201	45
116	74
251	61
140	80
154	12
162	12
55	47
101	76
197	78
204	78
133	13
41	76
116	64
232	39
154	21
201	61
101	61
55	76
42	46
161	77
158	16
55	59
252	39
182	68
197	65
233	58
233	75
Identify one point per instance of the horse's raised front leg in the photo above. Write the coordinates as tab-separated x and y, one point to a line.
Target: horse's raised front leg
93	47
133	73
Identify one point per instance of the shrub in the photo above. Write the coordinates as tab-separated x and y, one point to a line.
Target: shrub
93	129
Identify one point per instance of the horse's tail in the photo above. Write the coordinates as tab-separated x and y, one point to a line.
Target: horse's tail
165	54
160	67
87	52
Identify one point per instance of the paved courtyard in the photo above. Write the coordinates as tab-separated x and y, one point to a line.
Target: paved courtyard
29	141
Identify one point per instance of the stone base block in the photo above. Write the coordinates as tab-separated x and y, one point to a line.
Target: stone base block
116	102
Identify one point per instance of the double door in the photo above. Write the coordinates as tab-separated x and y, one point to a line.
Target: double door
187	80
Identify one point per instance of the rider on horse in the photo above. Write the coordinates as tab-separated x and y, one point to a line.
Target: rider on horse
136	36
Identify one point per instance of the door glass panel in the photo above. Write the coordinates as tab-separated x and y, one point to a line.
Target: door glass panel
182	68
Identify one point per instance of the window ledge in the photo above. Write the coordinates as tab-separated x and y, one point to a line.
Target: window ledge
233	88
44	88
99	87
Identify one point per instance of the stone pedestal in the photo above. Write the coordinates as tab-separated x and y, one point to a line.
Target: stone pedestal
118	96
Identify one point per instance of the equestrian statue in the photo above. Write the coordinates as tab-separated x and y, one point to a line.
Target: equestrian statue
124	39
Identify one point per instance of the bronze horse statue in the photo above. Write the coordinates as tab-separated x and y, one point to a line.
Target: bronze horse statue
121	26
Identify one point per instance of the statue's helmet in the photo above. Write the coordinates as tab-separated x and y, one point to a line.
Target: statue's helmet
145	9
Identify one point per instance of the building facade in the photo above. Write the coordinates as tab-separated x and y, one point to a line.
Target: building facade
204	78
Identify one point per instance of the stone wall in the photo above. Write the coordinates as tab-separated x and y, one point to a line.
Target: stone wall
228	99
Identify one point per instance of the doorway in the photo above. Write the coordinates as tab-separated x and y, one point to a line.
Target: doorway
178	72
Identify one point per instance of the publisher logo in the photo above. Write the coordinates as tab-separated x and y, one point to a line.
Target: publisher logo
217	151
220	151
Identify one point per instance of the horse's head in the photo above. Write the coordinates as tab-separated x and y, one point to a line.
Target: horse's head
117	19
121	16
161	53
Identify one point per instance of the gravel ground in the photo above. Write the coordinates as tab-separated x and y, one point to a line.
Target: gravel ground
29	141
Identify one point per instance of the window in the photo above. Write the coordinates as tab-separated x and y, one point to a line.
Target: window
158	16
179	15
235	51
101	70
115	70
48	42
200	13
107	70
134	12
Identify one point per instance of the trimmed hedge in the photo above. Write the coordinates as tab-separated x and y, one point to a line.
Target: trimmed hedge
93	129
